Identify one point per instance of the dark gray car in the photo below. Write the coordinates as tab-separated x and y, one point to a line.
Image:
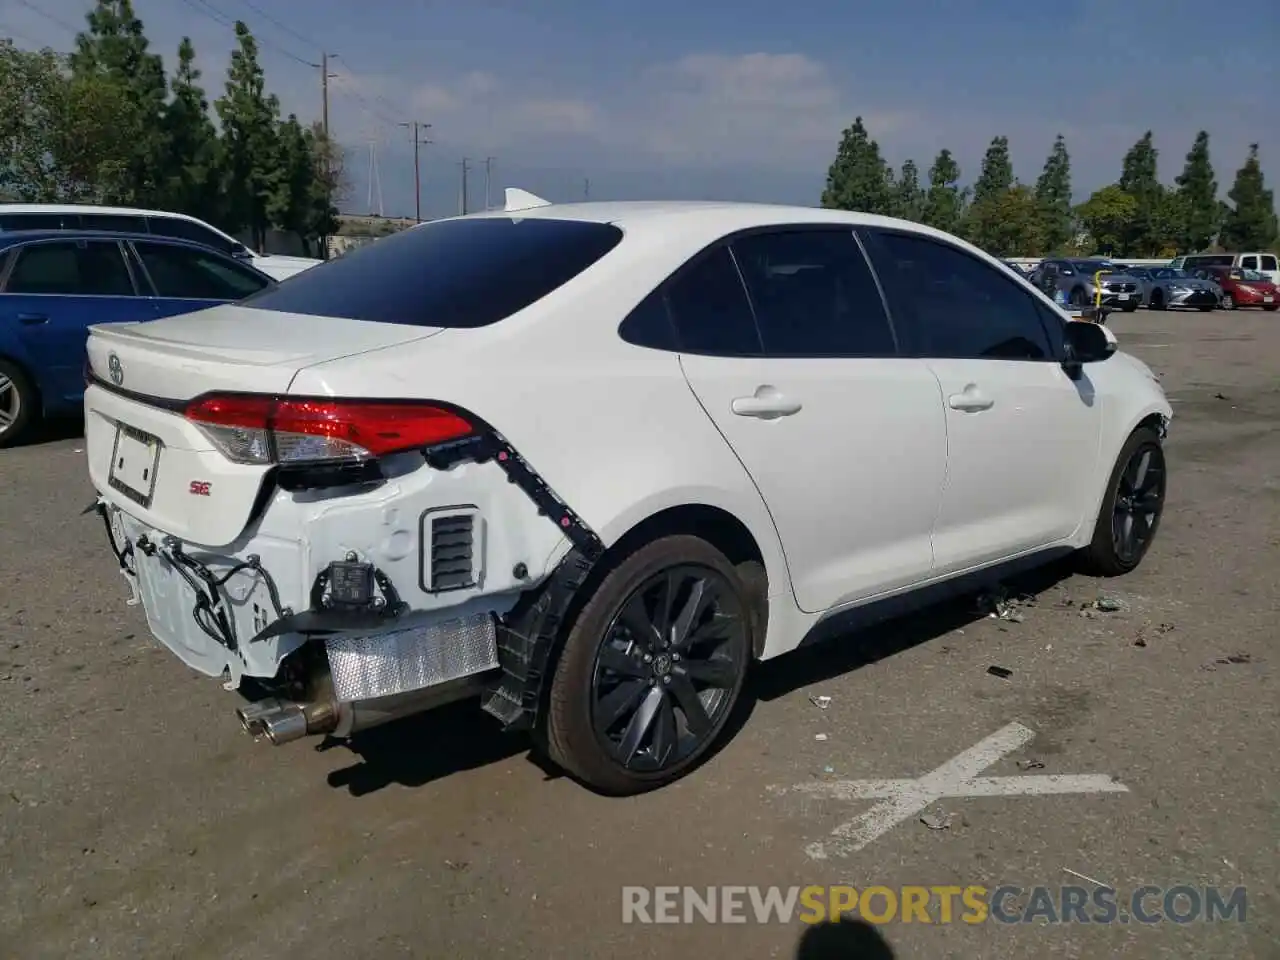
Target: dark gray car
1164	287
1074	280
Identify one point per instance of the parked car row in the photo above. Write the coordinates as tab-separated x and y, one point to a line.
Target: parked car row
1201	282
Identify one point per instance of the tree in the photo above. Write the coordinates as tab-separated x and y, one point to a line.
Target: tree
1198	199
1008	223
115	48
250	144
997	171
1053	197
858	178
944	204
192	183
1108	216
1148	231
68	138
1251	223
909	200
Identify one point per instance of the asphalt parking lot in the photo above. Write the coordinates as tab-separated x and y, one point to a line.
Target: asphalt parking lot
136	819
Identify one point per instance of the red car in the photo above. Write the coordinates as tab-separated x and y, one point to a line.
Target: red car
1243	288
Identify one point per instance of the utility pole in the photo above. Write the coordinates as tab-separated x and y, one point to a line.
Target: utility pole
586	188
488	180
327	161
462	196
417	172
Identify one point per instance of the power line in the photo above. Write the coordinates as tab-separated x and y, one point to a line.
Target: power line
48	16
218	16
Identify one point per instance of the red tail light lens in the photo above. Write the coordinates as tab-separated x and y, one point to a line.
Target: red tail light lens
291	430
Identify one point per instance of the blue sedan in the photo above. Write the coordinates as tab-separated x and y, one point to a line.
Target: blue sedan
55	284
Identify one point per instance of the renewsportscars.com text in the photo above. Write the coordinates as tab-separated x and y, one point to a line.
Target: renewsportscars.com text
972	904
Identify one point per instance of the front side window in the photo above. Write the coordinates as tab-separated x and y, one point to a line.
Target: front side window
1249	263
71	268
814	295
451	273
187	273
962	307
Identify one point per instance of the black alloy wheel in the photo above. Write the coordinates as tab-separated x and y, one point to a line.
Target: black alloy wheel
667	668
1138	504
653	664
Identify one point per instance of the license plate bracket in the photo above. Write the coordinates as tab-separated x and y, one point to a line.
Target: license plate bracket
135	458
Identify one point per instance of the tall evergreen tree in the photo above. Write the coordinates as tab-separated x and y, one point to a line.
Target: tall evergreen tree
250	141
1198	199
1139	179
115	47
859	178
1053	198
1251	223
192	185
910	200
996	177
944	204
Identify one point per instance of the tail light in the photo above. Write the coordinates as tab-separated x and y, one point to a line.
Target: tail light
249	428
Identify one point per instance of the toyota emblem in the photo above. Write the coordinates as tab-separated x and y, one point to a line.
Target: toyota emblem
116	371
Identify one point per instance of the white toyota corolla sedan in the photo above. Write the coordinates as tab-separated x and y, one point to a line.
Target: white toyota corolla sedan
588	462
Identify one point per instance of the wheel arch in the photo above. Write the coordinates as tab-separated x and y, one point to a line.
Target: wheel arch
25	368
1155	416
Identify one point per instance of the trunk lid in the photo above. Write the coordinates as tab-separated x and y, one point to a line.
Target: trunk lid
147	458
230	347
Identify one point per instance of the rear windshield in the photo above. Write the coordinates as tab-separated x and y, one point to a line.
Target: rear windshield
453	273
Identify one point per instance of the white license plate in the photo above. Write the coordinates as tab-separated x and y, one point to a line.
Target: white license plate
1124	296
134	460
1268	299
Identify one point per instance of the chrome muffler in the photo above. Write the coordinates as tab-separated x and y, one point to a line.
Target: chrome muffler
282	721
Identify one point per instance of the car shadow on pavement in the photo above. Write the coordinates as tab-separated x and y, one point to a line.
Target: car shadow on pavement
438	743
52	430
424	747
844	939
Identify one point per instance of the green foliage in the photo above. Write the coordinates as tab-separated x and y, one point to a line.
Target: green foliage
1108	216
1200	213
1136	217
1053	198
105	125
859	179
944	204
1251	224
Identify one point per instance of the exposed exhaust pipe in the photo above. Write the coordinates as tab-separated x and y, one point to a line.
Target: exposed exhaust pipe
282	721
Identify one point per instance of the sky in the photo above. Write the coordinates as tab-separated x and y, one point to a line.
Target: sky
741	100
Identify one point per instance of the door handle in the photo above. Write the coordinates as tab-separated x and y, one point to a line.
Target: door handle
971	400
31	319
765	404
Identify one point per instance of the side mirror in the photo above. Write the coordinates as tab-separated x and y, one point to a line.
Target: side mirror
1084	342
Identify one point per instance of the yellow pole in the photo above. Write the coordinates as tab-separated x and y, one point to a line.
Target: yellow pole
1097	293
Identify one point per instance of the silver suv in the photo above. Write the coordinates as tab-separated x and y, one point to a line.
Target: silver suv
1072	282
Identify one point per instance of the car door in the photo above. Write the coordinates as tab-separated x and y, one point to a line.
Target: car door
1022	436
185	278
798	368
55	289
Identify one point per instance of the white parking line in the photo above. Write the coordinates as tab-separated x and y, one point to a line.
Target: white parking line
904	798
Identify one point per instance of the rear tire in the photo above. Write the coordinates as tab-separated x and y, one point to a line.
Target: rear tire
1079	298
1207	309
1272	308
1157	300
1131	508
651	668
1130	306
19	405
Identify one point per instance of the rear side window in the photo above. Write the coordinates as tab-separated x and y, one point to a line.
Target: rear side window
120	223
1268	262
71	268
40	221
710	308
814	295
453	273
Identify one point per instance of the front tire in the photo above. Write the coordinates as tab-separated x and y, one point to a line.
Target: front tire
1132	507
1157	300
19	407
651	668
1130	306
1079	298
